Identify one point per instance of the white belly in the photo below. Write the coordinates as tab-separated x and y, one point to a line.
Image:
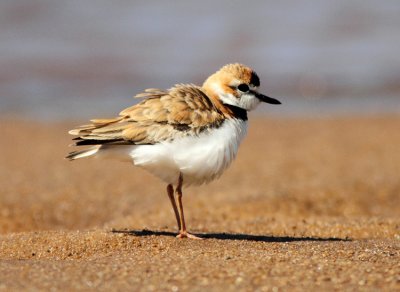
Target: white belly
200	159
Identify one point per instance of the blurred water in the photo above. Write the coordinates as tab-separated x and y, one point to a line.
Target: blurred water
74	59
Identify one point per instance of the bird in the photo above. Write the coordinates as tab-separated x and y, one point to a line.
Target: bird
186	135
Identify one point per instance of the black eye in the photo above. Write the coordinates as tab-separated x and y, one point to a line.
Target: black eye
243	87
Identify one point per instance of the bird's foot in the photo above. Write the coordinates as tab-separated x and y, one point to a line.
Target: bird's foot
185	234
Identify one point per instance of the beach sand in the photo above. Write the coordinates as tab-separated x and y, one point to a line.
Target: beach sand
309	204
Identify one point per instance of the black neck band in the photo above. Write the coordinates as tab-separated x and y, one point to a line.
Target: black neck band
238	112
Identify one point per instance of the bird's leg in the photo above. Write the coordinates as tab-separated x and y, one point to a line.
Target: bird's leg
182	231
170	191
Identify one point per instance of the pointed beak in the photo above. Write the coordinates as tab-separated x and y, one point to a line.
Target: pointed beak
267	99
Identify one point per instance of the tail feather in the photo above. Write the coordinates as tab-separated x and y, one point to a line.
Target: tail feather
82	153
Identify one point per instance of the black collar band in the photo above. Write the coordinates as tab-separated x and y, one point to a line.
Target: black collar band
238	112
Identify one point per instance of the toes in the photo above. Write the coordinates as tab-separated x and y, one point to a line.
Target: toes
191	236
187	235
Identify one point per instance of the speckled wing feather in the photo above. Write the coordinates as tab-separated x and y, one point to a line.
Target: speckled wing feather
164	115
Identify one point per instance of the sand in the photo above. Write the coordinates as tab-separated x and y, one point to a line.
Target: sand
309	204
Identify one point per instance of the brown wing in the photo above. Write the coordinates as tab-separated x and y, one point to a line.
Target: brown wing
164	115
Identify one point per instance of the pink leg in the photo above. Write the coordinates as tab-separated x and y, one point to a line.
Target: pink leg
182	230
170	191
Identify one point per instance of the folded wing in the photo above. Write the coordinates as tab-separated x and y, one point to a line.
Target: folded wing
164	115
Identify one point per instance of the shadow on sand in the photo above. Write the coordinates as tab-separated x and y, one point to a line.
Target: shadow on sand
230	236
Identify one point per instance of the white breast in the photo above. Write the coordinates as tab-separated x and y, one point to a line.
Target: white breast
199	158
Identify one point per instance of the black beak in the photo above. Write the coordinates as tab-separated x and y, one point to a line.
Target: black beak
267	99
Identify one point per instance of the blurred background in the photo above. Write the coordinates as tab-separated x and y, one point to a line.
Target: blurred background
64	62
318	57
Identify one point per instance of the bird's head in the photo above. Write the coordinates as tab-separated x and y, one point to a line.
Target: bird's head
237	85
